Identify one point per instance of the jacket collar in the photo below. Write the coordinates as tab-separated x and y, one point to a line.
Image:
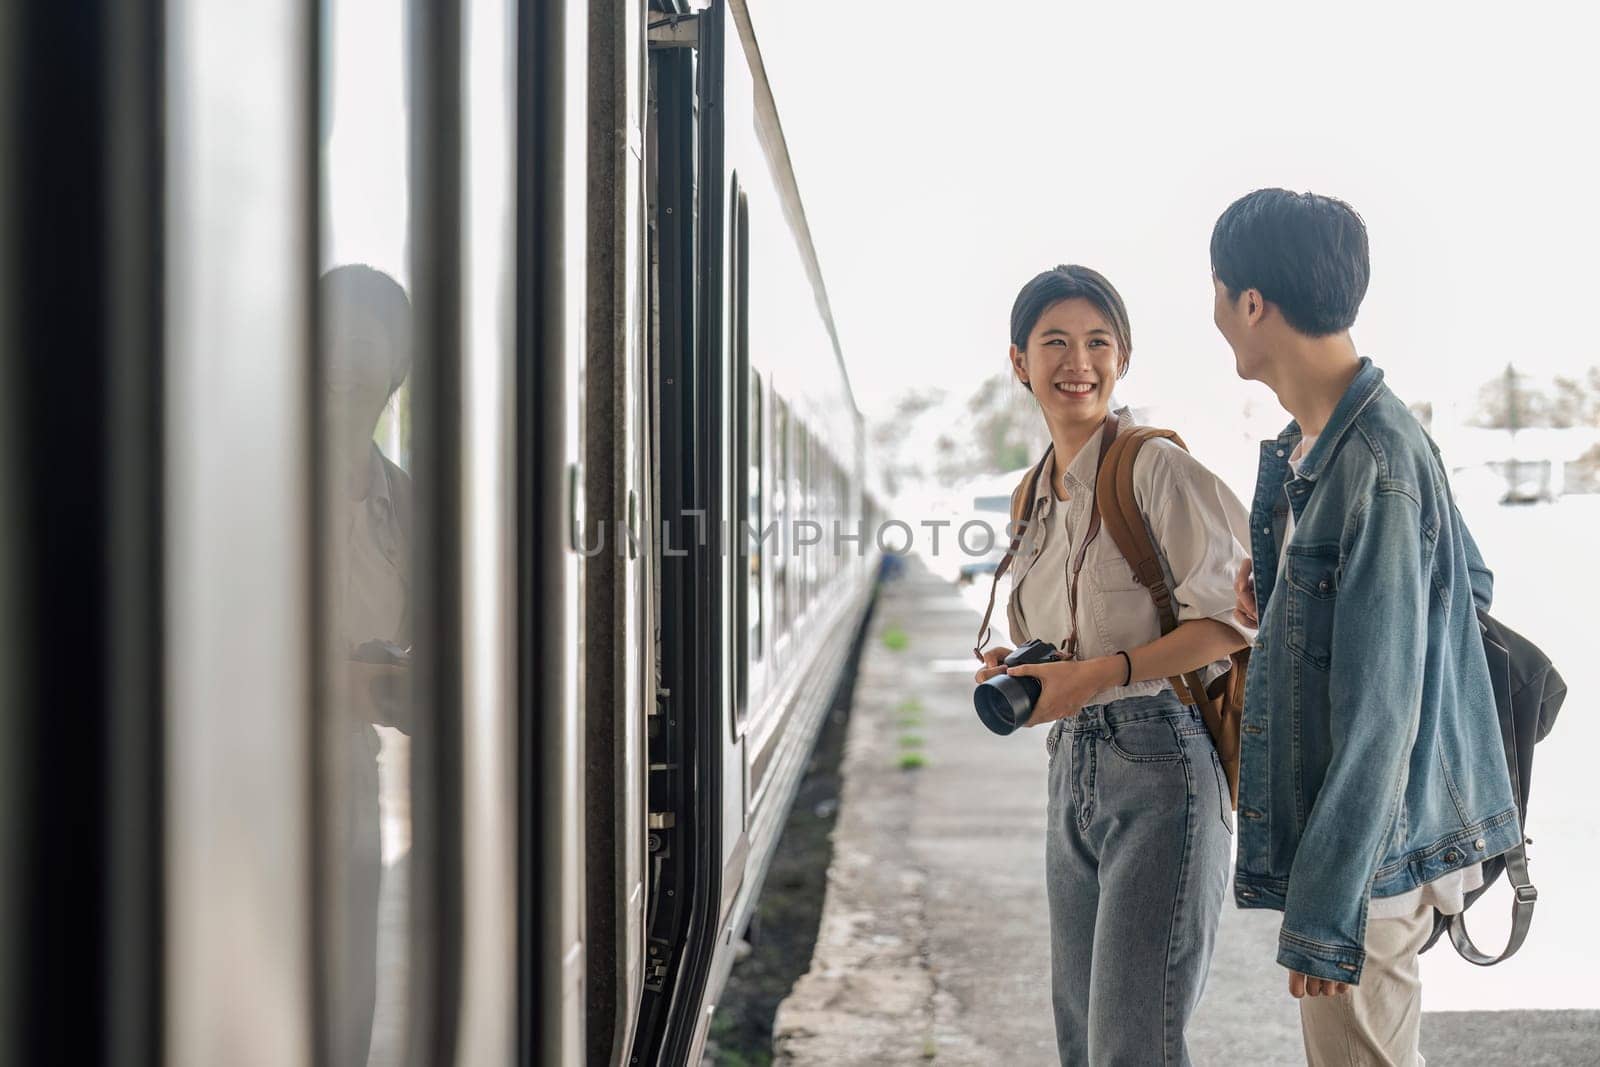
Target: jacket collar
1368	380
1080	470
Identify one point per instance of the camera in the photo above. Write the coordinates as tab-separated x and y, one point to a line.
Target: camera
1005	703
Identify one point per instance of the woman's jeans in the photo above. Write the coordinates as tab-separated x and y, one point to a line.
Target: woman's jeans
1139	838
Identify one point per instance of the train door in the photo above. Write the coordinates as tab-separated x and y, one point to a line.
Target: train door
619	671
687	730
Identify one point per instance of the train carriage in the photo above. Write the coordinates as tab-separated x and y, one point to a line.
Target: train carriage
389	395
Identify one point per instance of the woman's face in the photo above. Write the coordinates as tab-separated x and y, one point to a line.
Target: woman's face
1071	363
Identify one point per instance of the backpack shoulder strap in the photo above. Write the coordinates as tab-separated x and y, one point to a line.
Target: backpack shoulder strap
1122	519
1022	498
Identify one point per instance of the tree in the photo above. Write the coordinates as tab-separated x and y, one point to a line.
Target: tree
1576	403
1006	425
1507	403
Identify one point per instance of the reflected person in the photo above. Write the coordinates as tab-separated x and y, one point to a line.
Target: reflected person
368	506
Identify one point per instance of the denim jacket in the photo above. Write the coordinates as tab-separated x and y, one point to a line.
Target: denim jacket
1371	758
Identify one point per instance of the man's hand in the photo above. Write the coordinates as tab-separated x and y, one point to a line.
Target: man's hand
992	661
1068	684
1244	596
1301	985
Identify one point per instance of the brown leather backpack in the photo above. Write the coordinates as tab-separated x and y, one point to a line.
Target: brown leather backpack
1221	704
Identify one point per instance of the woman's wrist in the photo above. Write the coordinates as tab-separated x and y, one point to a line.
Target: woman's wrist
1110	671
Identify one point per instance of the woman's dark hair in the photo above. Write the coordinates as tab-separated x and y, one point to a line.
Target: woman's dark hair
1069	282
1305	253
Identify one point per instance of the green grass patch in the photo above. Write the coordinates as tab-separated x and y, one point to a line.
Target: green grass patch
909	706
910	741
912	761
909	722
895	639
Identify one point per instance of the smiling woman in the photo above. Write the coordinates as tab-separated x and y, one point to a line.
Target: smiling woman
1138	759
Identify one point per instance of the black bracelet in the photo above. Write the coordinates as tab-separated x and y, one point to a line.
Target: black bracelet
1129	679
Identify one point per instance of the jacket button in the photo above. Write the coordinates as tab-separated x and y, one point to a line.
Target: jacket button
1452	856
1324	585
1480	844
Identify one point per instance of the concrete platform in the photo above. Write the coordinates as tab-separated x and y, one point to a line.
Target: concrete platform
934	944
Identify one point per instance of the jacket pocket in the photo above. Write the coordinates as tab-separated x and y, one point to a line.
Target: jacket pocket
1311	574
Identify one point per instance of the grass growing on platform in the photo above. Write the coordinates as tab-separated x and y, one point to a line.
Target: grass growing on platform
895	639
910	741
912	761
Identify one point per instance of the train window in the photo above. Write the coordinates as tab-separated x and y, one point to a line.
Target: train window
745	512
802	493
780	515
830	556
366	535
755	544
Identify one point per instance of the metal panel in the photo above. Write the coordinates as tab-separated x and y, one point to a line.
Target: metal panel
487	1032
14	696
238	259
551	281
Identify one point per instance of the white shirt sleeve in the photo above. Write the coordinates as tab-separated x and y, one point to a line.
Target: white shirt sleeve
1200	527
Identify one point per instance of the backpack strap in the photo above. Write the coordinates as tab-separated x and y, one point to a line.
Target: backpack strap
1521	913
1021	516
1120	514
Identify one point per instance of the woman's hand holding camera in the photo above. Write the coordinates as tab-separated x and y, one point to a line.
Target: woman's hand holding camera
1066	685
994	662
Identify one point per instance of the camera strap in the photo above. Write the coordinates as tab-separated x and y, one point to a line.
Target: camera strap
1019	524
1022	520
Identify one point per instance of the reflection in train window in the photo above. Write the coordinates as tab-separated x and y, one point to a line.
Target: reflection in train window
365	532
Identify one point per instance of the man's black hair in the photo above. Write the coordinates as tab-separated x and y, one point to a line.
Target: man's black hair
1305	253
1067	282
356	286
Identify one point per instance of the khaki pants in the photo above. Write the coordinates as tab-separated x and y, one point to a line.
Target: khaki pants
1377	1023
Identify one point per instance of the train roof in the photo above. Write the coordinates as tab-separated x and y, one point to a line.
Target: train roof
770	130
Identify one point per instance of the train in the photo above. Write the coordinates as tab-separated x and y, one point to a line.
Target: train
438	523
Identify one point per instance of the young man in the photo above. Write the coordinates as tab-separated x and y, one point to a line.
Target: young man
1373	781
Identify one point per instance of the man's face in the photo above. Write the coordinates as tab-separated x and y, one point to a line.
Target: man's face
1233	322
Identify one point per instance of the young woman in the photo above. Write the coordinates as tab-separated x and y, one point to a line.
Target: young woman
1138	827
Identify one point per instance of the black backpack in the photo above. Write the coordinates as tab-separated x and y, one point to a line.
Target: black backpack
1527	694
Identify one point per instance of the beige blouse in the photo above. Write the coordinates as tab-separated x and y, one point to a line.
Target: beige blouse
1199	526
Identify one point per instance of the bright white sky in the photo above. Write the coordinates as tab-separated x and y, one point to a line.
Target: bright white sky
946	152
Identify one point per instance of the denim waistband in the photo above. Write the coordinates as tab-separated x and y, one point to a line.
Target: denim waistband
1162	705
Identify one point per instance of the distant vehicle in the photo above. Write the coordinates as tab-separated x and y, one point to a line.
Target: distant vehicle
1527	482
996	511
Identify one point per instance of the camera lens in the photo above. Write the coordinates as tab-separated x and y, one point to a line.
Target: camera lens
1004	702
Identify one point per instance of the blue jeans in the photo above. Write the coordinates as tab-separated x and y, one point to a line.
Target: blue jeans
1137	849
